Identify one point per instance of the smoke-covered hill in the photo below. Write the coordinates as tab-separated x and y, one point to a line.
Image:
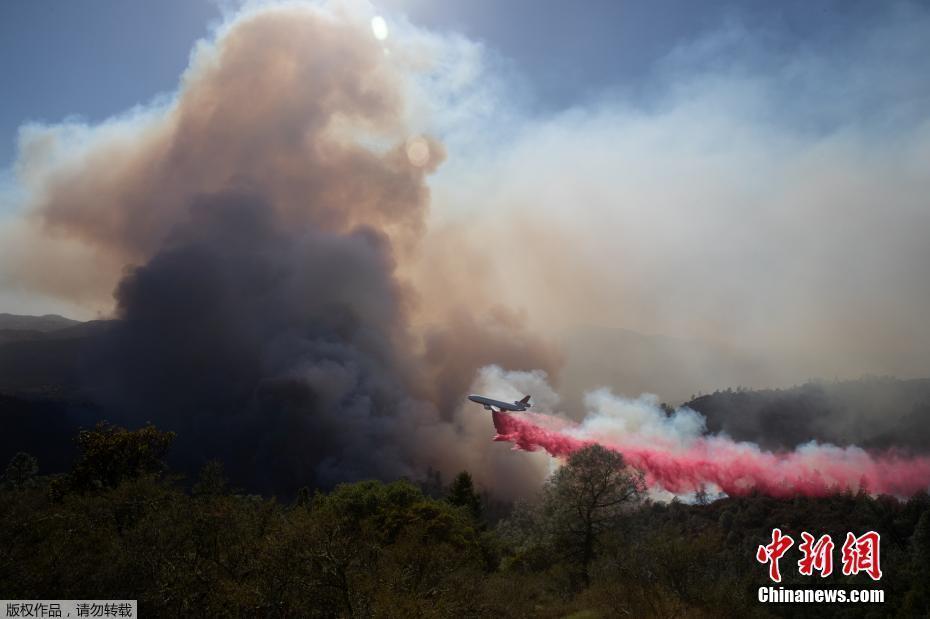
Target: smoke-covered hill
44	354
48	388
46	323
872	412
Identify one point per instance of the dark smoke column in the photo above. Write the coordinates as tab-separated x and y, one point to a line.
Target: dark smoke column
256	231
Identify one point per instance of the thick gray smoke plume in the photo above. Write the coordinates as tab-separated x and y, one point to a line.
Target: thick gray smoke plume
258	222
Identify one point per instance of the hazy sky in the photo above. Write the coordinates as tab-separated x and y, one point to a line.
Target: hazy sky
753	174
96	58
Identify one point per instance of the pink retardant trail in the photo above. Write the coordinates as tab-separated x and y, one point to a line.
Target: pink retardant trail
736	468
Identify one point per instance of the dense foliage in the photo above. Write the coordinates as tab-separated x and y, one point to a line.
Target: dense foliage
119	526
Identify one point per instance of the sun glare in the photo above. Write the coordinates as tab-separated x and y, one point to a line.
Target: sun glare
379	27
418	151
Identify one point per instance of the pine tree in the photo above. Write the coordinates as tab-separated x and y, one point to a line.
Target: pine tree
20	472
462	494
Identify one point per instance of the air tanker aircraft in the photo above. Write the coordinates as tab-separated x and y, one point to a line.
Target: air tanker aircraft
498	406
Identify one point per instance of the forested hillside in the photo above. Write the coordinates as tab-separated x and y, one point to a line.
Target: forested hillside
872	412
119	524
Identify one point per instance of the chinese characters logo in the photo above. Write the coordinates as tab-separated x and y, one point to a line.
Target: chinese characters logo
859	554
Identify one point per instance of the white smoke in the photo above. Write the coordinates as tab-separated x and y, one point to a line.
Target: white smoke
619	420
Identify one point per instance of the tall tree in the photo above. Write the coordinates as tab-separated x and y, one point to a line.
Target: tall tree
462	493
587	497
110	455
20	472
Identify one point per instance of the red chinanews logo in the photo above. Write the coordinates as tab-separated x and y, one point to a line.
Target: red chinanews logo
773	552
817	556
859	554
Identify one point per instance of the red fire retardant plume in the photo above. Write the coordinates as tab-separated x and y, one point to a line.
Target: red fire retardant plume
737	468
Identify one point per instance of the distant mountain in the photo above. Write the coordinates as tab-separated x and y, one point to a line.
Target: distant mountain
41	399
871	412
44	324
730	389
43	354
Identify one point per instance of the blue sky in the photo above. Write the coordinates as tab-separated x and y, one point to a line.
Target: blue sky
90	59
95	58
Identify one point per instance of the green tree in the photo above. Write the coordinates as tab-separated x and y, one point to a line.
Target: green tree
920	543
304	497
109	455
20	472
462	494
212	480
588	496
917	600
387	550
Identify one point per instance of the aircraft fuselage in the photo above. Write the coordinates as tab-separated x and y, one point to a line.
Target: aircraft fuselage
491	404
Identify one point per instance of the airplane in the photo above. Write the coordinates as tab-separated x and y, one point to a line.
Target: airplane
498	406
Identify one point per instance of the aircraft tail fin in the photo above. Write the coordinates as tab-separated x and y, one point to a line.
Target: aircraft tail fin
525	400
